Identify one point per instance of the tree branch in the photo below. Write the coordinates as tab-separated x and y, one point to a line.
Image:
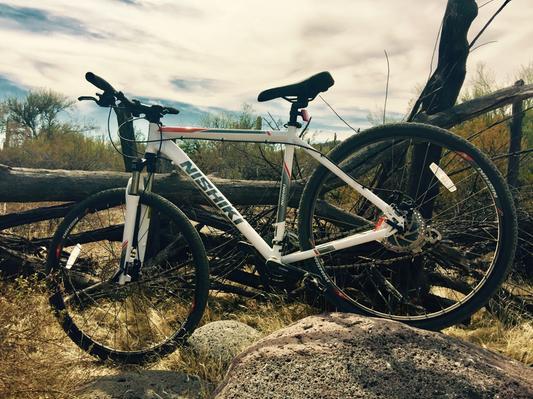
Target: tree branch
478	106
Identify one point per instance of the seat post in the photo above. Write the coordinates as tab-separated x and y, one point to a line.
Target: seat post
295	111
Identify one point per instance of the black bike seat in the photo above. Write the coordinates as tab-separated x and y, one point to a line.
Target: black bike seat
306	90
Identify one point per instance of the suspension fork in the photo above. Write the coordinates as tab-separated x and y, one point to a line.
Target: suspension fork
137	220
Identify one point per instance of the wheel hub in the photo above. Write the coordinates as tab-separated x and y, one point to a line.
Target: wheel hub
413	236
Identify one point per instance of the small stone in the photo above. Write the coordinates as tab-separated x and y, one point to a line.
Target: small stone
222	340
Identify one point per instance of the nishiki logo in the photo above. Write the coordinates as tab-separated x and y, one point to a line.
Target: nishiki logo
212	192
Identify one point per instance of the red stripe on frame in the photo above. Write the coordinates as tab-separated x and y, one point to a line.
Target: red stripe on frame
175	129
287	169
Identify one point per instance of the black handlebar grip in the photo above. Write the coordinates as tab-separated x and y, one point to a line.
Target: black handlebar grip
99	82
170	110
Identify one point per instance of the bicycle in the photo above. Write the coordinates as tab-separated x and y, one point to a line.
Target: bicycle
404	221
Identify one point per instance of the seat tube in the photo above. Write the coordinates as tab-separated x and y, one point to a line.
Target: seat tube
284	193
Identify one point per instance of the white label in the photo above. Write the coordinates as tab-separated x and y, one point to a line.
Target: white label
443	177
73	256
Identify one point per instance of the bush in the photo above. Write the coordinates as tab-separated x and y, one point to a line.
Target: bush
65	149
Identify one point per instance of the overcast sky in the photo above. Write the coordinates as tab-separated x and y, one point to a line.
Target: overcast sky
222	53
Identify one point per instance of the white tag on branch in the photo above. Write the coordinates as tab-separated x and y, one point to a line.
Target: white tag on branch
443	177
73	256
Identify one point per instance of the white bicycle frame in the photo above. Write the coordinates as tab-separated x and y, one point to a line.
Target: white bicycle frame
160	141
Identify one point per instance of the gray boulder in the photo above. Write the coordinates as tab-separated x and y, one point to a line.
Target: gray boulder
348	356
222	340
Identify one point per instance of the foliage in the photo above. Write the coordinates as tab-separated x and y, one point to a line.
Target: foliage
35	137
65	149
250	161
38	111
490	131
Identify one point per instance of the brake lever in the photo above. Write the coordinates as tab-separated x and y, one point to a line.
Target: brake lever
106	99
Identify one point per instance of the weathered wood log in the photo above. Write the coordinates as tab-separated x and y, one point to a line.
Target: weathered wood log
19	256
33	185
513	166
127	137
34	215
476	107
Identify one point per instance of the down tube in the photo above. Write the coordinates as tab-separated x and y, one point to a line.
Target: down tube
181	159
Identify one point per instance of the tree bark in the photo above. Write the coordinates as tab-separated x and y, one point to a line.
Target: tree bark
476	107
127	138
441	91
515	143
33	215
37	185
443	87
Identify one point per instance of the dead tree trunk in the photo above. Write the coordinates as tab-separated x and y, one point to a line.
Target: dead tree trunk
515	143
127	138
477	106
439	94
441	91
33	215
443	87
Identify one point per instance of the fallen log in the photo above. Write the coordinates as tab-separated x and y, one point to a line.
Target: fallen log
34	215
36	185
33	185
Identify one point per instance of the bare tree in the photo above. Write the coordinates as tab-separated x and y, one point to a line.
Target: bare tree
38	111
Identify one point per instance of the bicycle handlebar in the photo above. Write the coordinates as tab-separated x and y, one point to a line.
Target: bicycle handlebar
108	98
99	82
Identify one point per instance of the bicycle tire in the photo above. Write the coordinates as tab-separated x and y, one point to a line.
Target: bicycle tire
165	303
430	289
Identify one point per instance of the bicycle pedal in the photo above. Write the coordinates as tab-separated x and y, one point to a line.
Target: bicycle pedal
313	282
124	278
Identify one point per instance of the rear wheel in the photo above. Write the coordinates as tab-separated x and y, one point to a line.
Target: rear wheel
460	236
152	314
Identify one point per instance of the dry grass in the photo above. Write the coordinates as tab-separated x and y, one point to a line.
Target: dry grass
37	360
266	317
515	341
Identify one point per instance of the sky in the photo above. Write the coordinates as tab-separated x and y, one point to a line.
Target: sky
211	56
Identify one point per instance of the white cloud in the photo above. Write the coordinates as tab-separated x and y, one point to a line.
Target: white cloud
246	46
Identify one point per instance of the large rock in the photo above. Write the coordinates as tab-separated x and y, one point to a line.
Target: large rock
348	356
222	340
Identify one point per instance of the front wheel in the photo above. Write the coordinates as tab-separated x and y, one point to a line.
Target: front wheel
460	232
157	309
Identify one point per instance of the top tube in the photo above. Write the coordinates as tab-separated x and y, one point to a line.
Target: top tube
238	135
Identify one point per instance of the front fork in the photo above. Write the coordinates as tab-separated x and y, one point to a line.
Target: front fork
136	222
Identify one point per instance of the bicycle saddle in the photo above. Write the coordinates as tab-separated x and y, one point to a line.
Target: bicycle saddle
305	90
